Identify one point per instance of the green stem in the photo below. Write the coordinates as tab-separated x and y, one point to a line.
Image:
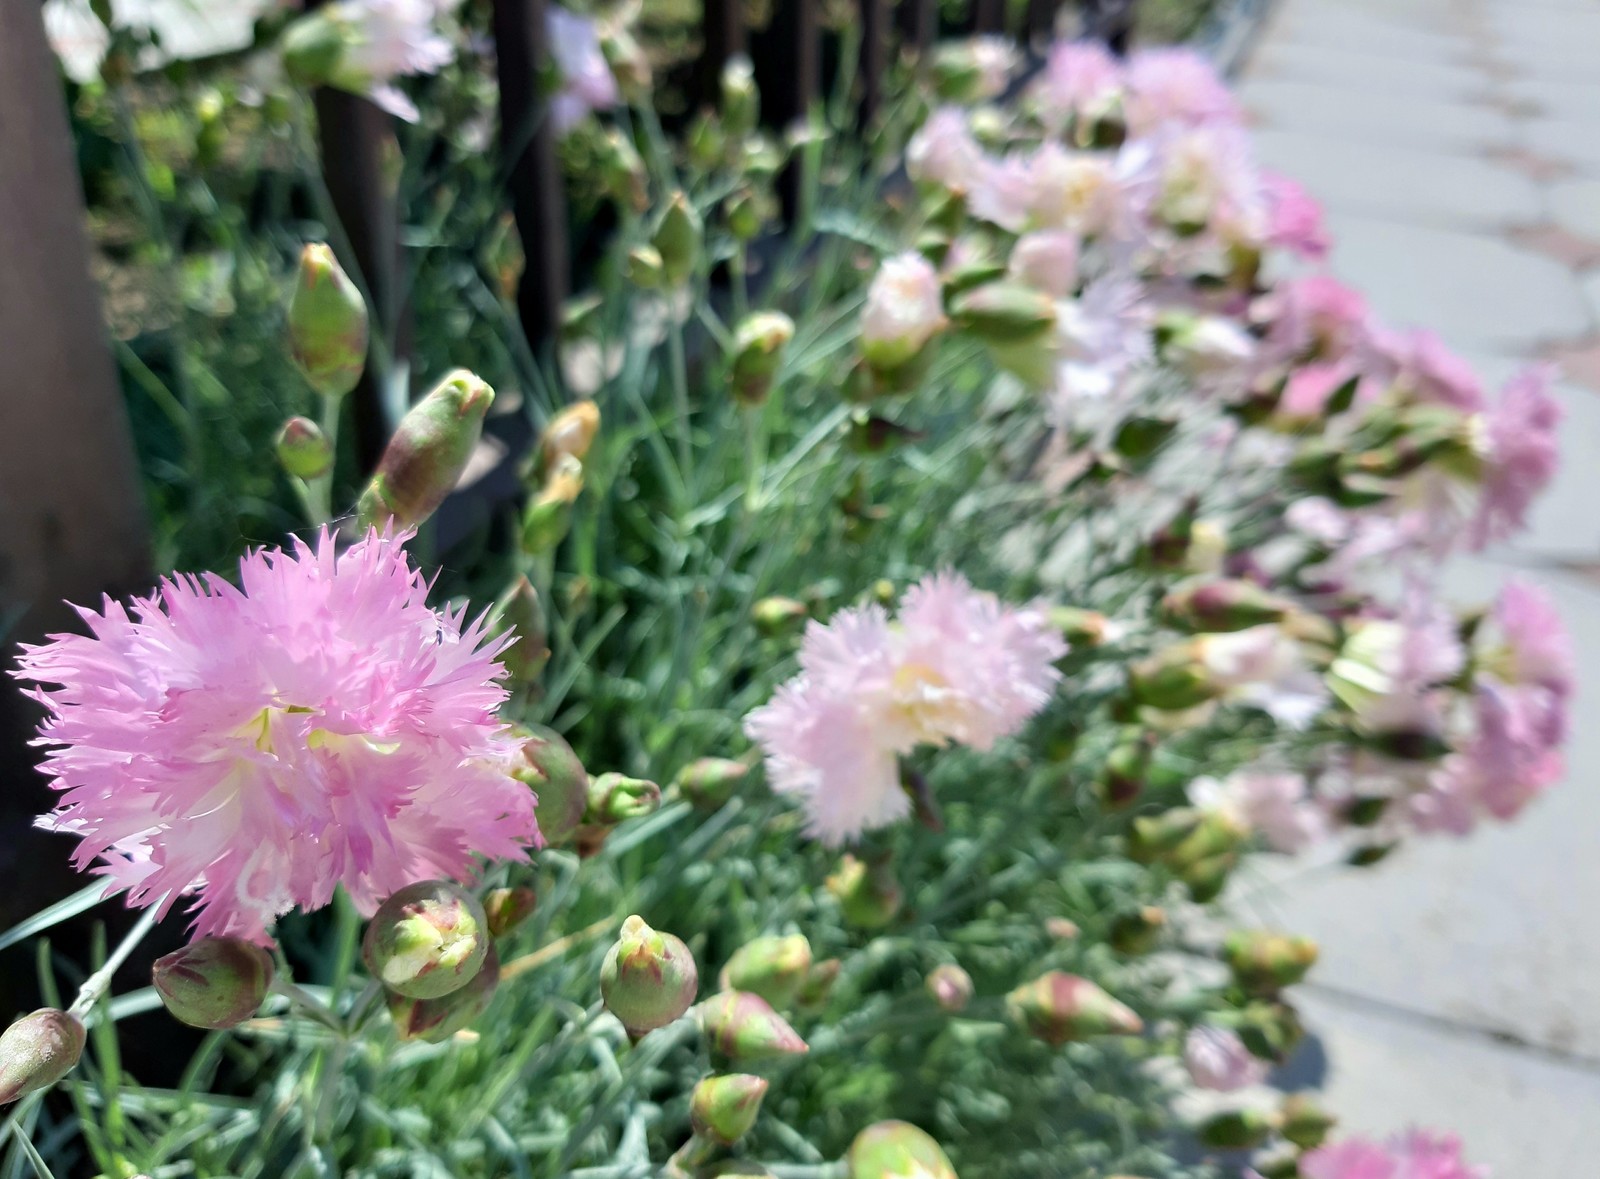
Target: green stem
94	987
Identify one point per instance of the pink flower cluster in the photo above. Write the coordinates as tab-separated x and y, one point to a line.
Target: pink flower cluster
1417	1154
955	665
256	746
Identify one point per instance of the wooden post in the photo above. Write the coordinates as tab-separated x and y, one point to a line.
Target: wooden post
528	154
787	59
874	57
918	21
1041	19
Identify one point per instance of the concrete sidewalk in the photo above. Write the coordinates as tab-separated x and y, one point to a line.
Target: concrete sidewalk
1456	145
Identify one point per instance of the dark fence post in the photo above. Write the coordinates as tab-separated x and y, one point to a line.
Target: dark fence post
989	16
533	173
722	30
918	21
787	59
1041	18
874	57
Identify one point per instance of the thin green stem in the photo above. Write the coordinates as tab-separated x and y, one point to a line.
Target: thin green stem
94	987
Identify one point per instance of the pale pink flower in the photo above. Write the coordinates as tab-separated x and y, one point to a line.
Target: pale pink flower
1427	369
994	58
1208	177
587	84
1350	1159
944	152
1428	1154
904	310
1102	336
957	666
1265	668
1175	86
1317	317
1047	260
1311	387
1523	454
1294	218
1051	187
257	746
1217	1059
1081	80
1275	804
1416	1154
387	39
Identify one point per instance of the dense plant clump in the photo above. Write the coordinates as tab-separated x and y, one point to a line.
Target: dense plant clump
989	565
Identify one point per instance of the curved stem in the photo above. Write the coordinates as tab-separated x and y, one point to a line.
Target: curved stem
94	987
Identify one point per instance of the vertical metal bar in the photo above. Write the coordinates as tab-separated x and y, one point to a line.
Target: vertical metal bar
787	57
528	149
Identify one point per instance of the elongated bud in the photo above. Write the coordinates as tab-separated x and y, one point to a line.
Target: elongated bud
645	268
1215	835
623	171
1264	963
216	982
429	451
758	344
1206	878
724	1108
1303	1122
1058	1007
1121	780
327	324
507	908
1153	836
1062	929
548	516
520	612
1222	606
869	896
1271	1031
1172	680
773	967
303	449
897	1150
677	240
571	431
710	782
1081	628
776	616
749	211
1138	931
546	763
615	798
648	979
819	984
436	1020
37	1051
742	1026
1237	1129
950	986
427	940
741	100
705	141
1004	313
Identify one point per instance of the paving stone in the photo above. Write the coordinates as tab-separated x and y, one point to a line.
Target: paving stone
1575	205
1365	72
1325	109
1476	291
1412	38
1519	1114
1431	188
1561	99
1556	243
1576	142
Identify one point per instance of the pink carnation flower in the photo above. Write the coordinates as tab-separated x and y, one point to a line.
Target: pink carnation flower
1522	454
904	310
943	151
1167	86
1318	317
1081	80
1274	804
257	746
1417	1154
587	83
1217	1059
1294	218
957	666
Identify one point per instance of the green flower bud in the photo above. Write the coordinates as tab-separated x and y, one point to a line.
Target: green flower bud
427	940
950	986
1153	836
777	616
710	782
741	100
749	211
722	1109
1141	436
645	268
897	1150
623	171
37	1051
615	798
819	984
1058	1007
546	763
1003	313
776	968
1172	680
1206	878
758	345
1081	628
1220	606
312	48
519	612
869	896
1139	931
742	1026
570	431
216	982
327	324
706	141
303	449
429	451
436	1020
1303	1122
1264	963
648	978
1237	1129
1271	1031
548	516
1121	780
507	908
677	240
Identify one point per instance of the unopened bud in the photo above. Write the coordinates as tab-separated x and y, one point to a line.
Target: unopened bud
1271	1031
1304	1122
507	908
1153	836
1121	780
546	763
677	240
1081	628
710	782
950	986
427	940
742	1026
1058	1007
819	983
705	141
1221	606
749	211
37	1051
616	798
1140	437
645	268
722	1109
303	449
216	982
548	516
1062	929
741	100
623	171
648	978
1139	931
893	1150
1172	680
436	1020
1264	963
1004	313
519	612
758	345
776	616
1206	878
869	896
312	47
429	451
773	967
571	431
327	324
1237	1129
